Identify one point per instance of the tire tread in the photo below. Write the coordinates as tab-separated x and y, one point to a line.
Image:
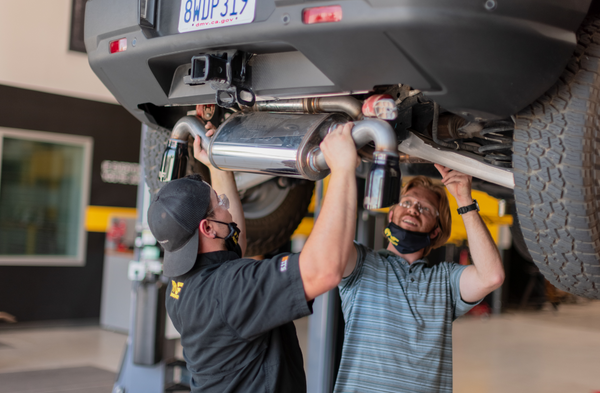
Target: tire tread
557	172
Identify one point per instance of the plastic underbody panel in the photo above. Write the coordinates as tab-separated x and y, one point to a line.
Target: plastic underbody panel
472	61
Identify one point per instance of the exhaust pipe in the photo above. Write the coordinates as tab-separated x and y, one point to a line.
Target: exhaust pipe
175	157
344	104
287	145
384	180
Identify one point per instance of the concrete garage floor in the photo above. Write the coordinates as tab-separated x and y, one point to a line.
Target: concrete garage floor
519	352
524	352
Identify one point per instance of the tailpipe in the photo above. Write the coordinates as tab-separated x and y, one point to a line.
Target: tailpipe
175	157
287	145
384	180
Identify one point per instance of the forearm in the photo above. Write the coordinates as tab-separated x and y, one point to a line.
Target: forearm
223	182
336	224
488	272
330	244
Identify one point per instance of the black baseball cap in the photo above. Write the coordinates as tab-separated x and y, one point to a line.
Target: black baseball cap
174	216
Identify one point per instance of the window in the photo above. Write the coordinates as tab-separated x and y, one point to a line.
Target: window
77	17
44	190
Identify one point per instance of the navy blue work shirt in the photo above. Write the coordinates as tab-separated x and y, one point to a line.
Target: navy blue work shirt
235	320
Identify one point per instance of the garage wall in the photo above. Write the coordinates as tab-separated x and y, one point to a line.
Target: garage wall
34	51
55	293
46	87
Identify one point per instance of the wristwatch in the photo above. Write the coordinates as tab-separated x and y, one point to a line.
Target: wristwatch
466	209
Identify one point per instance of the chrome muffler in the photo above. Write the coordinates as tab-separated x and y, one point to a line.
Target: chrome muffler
287	145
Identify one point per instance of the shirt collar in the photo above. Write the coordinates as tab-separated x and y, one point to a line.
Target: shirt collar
210	258
387	253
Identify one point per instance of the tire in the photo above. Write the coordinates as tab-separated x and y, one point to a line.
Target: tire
272	212
518	241
557	172
155	142
268	232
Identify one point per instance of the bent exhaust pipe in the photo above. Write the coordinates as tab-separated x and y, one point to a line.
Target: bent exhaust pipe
287	145
384	181
174	161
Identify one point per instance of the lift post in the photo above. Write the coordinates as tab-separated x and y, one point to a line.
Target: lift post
149	364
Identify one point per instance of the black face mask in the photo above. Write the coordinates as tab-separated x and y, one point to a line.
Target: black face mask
406	242
232	239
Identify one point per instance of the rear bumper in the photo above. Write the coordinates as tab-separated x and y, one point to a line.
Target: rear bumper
471	61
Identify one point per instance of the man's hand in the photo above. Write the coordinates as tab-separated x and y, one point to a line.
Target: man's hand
339	149
201	154
223	182
458	184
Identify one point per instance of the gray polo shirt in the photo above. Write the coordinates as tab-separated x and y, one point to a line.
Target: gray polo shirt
398	335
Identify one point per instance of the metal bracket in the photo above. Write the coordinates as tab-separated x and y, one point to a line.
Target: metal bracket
228	73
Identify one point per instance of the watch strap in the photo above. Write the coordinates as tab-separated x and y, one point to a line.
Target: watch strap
466	209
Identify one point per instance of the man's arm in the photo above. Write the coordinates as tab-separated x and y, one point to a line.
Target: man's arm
487	273
223	182
330	244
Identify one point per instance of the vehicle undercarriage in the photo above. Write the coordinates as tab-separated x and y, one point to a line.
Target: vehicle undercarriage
504	93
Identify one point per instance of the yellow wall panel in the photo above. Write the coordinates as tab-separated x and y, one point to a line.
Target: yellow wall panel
97	217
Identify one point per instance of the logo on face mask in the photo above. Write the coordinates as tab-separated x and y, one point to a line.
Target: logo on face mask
391	238
406	242
236	236
232	239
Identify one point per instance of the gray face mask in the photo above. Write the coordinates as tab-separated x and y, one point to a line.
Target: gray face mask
406	242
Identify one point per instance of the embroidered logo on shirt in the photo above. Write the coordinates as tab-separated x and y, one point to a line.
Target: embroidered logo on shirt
283	264
176	289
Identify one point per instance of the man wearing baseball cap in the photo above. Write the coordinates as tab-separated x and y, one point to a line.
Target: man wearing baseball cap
234	314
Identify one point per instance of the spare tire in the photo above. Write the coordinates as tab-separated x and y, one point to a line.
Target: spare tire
557	172
273	212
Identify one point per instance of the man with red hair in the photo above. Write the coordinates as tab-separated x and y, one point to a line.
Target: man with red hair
398	310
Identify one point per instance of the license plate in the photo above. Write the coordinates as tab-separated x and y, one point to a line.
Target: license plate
209	14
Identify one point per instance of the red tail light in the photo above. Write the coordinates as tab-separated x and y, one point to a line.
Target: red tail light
322	14
118	45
